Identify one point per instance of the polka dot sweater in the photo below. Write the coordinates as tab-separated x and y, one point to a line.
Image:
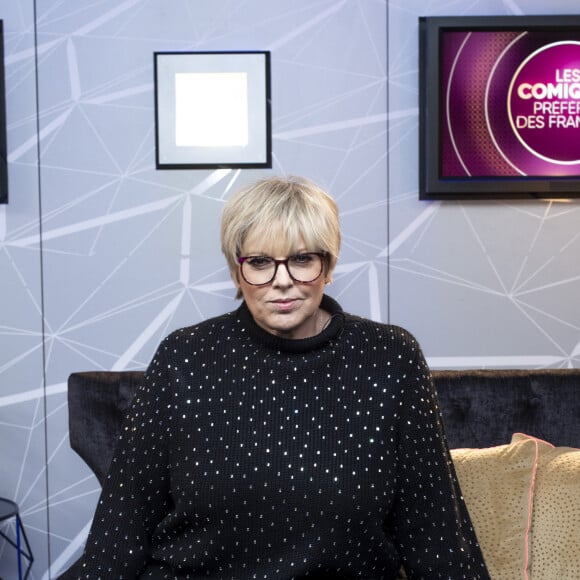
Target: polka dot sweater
250	456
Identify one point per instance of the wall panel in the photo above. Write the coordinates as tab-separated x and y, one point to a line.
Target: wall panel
129	253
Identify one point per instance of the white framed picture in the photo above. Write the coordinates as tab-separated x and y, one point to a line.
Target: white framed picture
212	110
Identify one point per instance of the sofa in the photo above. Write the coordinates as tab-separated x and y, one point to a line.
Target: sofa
514	438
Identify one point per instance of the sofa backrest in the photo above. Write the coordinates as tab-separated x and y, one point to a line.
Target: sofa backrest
97	403
482	408
479	408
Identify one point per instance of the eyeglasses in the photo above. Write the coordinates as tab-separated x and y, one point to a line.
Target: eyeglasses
261	270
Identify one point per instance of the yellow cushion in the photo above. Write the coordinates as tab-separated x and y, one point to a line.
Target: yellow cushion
497	484
555	536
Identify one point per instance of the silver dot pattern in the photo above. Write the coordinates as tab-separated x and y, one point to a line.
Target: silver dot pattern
250	456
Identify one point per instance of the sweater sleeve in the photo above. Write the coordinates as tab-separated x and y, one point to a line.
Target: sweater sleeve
430	521
135	495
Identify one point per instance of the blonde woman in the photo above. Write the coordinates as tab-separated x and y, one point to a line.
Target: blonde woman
286	439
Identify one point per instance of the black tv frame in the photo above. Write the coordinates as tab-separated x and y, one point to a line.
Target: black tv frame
432	186
3	143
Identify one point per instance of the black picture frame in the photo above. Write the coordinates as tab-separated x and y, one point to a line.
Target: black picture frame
252	68
3	128
436	181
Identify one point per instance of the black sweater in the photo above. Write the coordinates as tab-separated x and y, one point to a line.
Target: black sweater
246	455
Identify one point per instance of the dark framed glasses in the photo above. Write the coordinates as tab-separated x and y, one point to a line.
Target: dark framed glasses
261	270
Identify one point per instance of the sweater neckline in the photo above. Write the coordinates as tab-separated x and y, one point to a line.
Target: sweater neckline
297	345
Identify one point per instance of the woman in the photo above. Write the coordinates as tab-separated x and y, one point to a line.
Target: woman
286	439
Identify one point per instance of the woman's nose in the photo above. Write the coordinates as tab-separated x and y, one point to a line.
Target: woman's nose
282	277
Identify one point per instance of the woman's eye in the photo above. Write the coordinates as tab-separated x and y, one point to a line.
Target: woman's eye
301	259
259	261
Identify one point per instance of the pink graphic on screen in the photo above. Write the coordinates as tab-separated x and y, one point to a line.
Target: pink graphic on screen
510	104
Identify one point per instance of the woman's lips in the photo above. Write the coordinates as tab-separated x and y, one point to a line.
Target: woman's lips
284	304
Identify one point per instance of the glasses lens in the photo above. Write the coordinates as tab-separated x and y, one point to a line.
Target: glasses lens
305	267
260	270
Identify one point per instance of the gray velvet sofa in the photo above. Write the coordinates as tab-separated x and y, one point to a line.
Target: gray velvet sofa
514	436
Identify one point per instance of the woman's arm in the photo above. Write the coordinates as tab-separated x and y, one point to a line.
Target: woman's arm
430	521
135	495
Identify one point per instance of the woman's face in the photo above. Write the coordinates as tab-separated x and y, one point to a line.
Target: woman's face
283	307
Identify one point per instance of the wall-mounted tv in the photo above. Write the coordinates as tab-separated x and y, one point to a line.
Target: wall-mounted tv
3	147
499	107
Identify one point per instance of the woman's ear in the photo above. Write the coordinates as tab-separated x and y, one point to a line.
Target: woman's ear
235	276
328	275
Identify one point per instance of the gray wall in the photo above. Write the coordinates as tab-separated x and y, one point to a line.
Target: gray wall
101	255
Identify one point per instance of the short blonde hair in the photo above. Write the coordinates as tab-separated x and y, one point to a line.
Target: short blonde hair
282	211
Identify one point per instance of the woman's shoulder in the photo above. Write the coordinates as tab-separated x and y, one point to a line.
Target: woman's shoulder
389	348
215	328
383	339
380	331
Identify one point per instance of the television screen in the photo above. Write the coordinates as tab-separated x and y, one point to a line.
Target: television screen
3	147
499	109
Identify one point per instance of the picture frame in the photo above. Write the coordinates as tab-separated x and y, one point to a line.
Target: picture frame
3	125
499	100
212	110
